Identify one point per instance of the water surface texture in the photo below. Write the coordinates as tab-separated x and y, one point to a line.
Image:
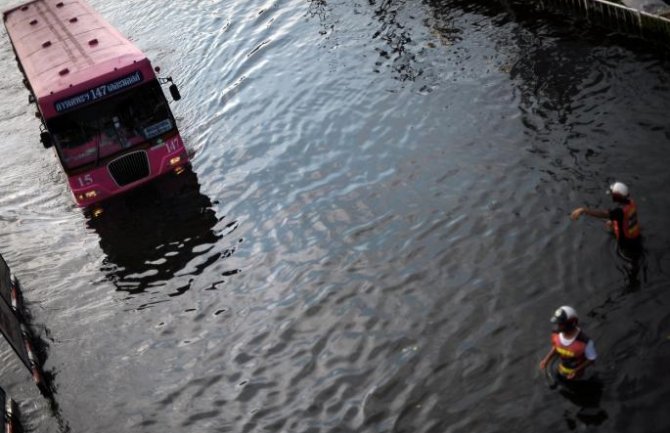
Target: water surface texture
375	233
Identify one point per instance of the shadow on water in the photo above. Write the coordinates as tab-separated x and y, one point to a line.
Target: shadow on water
397	37
150	235
397	53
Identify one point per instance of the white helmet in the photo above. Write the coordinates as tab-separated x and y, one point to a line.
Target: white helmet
619	188
565	315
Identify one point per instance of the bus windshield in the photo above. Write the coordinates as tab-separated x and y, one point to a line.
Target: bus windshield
111	125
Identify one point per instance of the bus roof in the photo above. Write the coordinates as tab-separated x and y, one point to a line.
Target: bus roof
64	46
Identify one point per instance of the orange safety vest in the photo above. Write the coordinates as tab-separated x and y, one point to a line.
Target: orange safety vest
571	355
630	228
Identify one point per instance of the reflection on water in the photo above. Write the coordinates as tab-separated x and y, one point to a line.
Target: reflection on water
39	337
586	395
150	235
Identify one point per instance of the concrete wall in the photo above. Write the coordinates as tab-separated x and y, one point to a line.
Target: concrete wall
614	16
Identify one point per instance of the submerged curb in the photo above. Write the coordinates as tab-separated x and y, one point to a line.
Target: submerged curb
624	19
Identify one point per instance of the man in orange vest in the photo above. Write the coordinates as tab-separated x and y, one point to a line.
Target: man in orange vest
575	350
623	220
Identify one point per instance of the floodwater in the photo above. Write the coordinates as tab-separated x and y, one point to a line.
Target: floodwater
375	233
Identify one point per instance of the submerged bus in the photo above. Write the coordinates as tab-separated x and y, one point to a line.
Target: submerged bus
99	100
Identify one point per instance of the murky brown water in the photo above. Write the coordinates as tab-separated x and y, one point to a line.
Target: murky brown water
375	234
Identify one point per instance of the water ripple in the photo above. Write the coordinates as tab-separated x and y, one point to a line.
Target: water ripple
374	232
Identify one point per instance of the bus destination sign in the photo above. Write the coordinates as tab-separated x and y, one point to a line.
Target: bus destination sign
98	92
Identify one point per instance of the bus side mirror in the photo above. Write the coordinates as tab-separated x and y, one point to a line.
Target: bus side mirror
174	91
45	138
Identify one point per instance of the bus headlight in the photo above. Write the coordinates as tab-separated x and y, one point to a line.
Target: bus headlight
176	160
88	195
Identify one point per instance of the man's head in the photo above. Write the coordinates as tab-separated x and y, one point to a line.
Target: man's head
565	318
619	192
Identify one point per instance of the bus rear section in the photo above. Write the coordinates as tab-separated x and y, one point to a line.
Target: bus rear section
101	105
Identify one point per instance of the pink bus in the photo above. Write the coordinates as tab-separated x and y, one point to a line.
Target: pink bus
99	100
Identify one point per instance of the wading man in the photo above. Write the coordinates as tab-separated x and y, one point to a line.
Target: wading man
575	350
622	219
